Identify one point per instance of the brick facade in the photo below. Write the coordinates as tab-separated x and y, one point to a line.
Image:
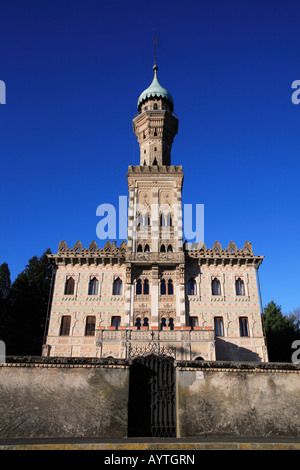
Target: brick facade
155	292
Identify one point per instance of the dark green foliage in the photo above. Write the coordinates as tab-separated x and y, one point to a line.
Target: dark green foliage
281	331
23	315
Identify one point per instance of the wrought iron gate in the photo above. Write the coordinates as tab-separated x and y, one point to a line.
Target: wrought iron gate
152	410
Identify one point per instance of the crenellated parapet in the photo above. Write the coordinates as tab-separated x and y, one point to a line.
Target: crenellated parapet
78	255
218	255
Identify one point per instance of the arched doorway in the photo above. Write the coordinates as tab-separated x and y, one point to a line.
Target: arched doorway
152	404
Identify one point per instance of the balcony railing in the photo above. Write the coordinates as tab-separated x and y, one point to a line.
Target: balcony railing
166	257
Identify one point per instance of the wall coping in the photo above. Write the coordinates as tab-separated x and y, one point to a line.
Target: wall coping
65	362
88	362
238	366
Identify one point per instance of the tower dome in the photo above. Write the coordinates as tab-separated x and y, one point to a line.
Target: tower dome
155	90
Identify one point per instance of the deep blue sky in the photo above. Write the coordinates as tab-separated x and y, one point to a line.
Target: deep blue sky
74	70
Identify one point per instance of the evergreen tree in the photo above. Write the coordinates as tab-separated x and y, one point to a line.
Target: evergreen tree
28	298
5	284
280	331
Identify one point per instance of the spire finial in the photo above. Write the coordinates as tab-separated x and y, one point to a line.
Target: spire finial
155	42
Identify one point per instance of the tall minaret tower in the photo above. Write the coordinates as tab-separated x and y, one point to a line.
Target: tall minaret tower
156	125
155	257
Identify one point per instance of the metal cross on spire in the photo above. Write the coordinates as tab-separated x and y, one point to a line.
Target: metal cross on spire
155	41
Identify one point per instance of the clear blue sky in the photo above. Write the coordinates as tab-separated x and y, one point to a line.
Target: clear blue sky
74	70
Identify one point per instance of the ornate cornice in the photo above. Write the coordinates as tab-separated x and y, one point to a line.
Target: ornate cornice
113	253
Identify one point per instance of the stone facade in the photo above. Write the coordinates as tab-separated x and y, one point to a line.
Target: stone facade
155	292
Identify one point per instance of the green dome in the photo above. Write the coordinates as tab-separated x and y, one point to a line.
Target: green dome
155	90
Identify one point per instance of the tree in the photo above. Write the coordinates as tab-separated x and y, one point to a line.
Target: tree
5	284
28	302
5	281
281	331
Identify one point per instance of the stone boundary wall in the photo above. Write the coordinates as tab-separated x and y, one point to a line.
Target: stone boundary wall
238	399
63	397
48	397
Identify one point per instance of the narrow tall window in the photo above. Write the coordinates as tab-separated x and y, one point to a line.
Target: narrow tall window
116	321
93	287
138	323
192	286
146	287
163	323
65	325
170	249
139	249
146	322
239	287
138	287
171	323
170	287
193	321
219	331
244	330
90	325
163	287
70	286
162	249
216	287
147	249
117	290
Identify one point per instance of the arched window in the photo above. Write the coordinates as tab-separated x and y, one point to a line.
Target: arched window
163	287
90	325
138	323
219	330
216	287
244	330
166	220
138	287
93	286
117	289
139	220
155	106
70	286
139	248
146	322
65	325
146	287
239	287
147	248
116	321
192	286
170	249
170	287
163	323
162	249
171	323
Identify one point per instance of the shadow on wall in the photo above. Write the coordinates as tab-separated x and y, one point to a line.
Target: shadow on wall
226	351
